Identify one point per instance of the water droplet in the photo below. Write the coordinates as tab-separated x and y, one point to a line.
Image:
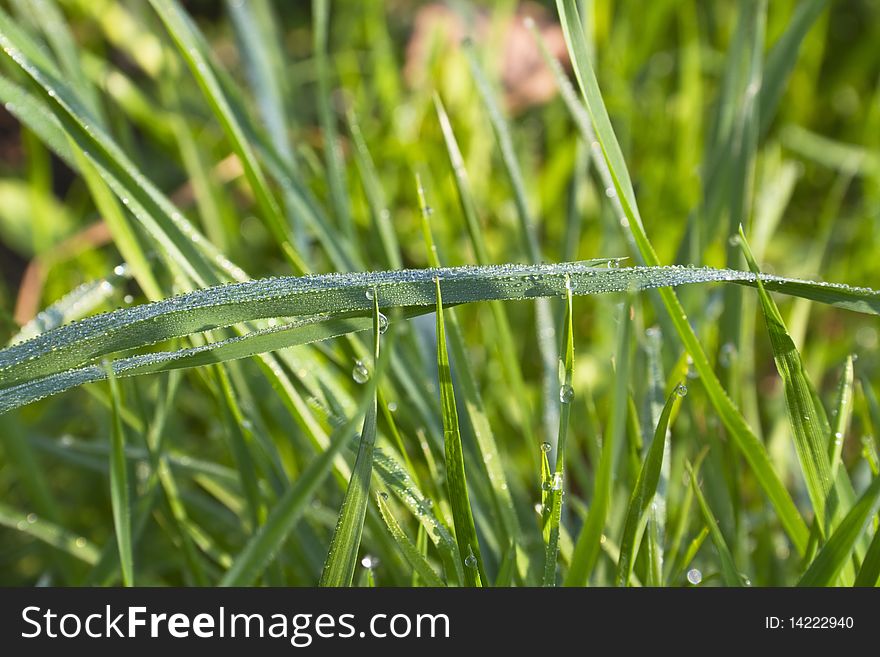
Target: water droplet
539	508
610	192
838	438
383	323
546	485
546	447
746	580
727	354
694	576
470	561
119	270
681	390
80	542
556	484
392	406
733	240
31	518
369	561
566	394
383	495
128	298
360	373
369	294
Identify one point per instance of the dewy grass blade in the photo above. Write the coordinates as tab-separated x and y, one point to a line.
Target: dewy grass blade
842	415
410	552
810	439
342	557
465	531
833	556
58	351
259	551
643	493
556	481
119	495
729	572
586	550
611	159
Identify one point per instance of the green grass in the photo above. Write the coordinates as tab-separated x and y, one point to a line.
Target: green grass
202	398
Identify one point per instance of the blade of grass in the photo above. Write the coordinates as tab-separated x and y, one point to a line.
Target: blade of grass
586	550
119	494
465	531
729	572
49	533
835	554
557	480
869	573
810	439
58	351
411	553
342	557
644	491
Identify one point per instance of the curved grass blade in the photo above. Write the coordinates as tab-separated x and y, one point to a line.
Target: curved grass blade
119	495
50	533
465	531
54	355
557	480
589	541
610	158
342	557
729	572
211	308
270	537
834	555
810	438
410	552
643	493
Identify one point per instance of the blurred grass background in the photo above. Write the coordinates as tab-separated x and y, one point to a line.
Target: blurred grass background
661	66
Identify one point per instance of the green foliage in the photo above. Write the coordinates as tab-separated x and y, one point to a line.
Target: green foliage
220	212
